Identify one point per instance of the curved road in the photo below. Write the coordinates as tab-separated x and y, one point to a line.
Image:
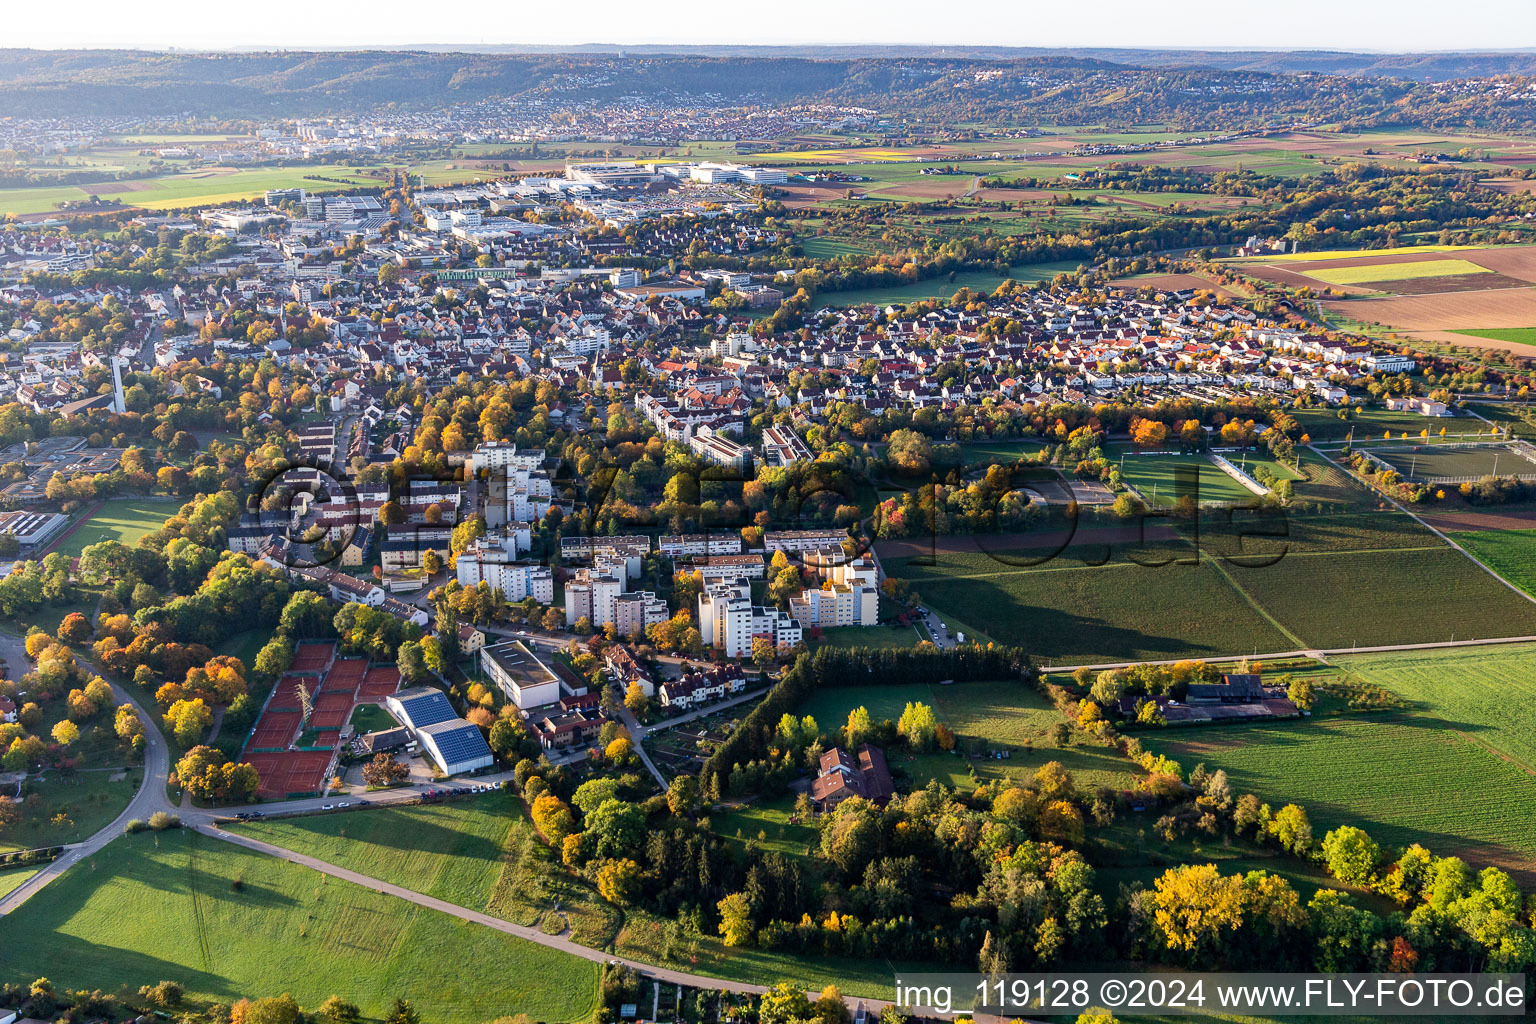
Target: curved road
149	799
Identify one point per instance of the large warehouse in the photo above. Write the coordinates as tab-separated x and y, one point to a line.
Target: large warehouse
454	744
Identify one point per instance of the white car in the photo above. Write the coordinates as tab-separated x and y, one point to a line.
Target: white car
327	807
345	803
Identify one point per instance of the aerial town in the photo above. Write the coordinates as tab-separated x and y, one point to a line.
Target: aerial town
701	538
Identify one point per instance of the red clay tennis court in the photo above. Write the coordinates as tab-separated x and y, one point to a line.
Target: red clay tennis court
379	683
290	773
346	673
285	696
274	730
313	656
331	710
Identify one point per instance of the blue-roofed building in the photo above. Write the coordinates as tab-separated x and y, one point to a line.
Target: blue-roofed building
454	744
457	746
419	707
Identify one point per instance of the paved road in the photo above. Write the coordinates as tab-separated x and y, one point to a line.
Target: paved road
149	799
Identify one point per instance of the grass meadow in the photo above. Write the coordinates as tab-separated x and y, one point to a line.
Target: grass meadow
1487	694
484	855
229	923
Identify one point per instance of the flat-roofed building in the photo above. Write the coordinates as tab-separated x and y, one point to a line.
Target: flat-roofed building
33	530
781	446
519	674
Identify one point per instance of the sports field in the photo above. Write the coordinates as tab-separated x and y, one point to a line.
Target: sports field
229	923
1432	462
1396	271
121	519
1409	778
1164	479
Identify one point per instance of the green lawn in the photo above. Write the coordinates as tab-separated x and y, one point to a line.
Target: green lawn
371	718
1404	778
120	519
1325	424
772	822
868	636
10	878
229	923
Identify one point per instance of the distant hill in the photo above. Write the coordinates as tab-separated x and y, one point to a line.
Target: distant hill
1184	88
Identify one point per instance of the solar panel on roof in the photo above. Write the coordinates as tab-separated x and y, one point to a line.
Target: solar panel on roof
459	742
428	709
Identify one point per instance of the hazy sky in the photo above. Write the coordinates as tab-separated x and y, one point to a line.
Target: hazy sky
1380	25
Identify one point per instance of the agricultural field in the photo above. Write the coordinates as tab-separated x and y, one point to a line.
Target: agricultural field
1377	597
1093	603
192	188
1404	778
124	520
230	922
1519	335
987	453
1396	271
1488	694
1510	553
1274	581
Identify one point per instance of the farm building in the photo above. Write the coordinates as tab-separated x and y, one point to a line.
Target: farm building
842	775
